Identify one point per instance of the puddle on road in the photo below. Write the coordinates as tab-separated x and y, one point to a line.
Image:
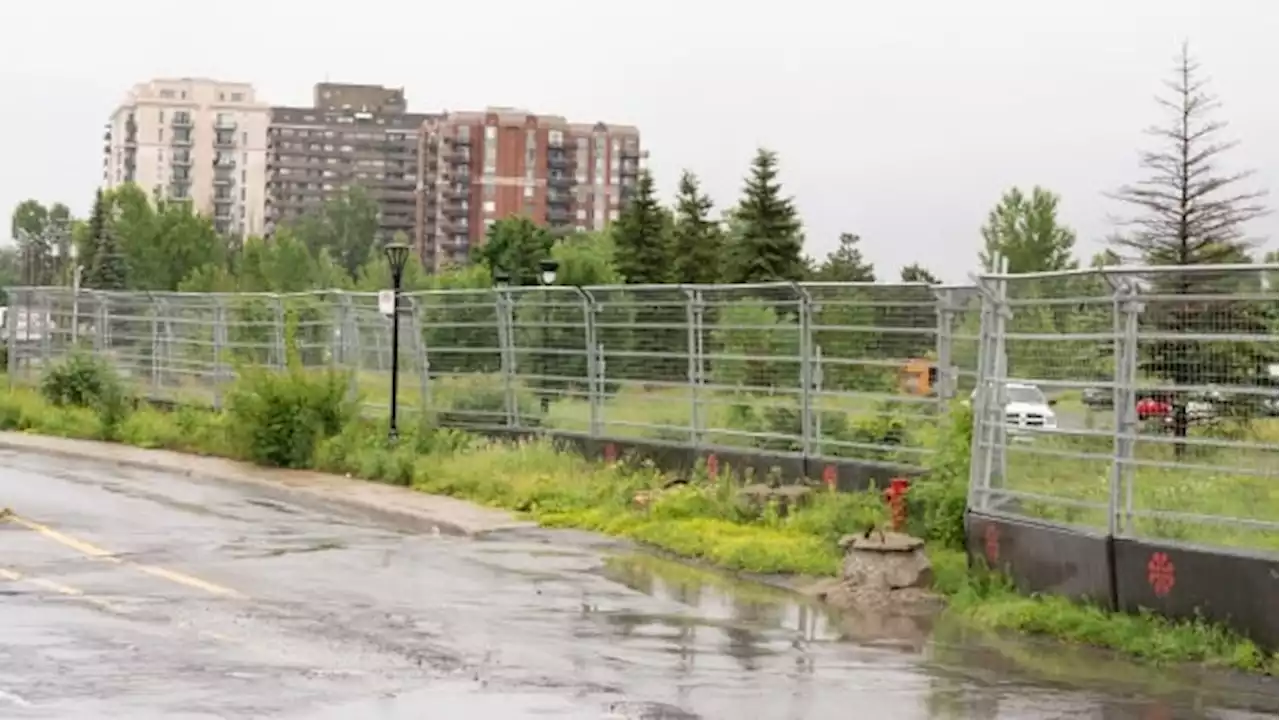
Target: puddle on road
752	617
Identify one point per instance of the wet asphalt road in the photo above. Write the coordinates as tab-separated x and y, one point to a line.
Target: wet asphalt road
132	595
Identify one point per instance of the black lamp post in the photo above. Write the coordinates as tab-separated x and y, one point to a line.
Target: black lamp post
397	256
546	277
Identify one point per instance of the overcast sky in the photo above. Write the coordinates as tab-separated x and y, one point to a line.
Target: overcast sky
900	122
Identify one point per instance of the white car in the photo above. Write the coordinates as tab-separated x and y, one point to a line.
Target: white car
1026	407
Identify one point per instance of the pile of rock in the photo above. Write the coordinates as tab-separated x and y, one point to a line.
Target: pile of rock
884	587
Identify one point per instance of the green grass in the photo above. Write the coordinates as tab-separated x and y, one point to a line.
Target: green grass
705	520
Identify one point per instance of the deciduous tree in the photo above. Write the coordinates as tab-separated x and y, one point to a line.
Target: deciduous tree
1026	231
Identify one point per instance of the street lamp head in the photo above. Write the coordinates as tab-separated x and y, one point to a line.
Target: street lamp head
548	269
397	256
501	278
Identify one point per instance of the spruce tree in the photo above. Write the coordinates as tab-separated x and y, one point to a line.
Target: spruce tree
769	244
697	243
642	244
97	220
845	263
109	270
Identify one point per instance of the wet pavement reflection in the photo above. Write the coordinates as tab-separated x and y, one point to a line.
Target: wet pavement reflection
137	595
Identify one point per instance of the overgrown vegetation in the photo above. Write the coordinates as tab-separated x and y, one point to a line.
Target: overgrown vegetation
292	419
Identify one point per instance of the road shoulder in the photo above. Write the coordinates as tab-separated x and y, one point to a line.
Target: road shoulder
399	507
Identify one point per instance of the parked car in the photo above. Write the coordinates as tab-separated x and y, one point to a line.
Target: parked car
1026	407
1098	398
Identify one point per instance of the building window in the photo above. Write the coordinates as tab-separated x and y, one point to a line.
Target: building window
582	214
237	97
528	191
555	138
166	94
490	206
490	132
464	132
490	192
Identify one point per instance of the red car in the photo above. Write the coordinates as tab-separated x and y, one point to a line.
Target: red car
1150	407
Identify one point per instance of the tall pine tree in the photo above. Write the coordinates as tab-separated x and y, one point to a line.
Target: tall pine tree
1188	211
642	244
697	243
769	243
109	270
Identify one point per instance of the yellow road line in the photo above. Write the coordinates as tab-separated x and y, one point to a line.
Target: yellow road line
59	588
99	553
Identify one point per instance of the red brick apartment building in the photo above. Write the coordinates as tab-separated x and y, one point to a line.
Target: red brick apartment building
475	168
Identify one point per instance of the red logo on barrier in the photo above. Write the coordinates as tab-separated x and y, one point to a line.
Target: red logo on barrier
829	477
713	466
1161	574
610	453
991	538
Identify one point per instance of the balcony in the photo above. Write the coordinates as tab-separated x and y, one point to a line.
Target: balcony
558	180
224	124
181	140
224	141
181	120
455	210
630	153
458	142
224	179
180	160
558	214
457	192
457	157
558	159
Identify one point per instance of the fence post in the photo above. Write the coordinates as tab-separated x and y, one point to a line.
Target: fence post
805	323
102	318
11	339
1126	309
815	375
278	331
46	325
595	390
424	357
988	403
945	387
219	347
506	359
693	336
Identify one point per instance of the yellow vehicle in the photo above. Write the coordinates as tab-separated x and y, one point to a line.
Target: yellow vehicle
918	376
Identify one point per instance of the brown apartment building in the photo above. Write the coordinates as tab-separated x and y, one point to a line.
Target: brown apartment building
351	135
478	167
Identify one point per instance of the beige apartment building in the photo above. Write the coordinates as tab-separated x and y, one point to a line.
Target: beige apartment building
196	139
477	167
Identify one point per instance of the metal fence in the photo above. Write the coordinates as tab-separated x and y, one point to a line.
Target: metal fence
1164	424
817	369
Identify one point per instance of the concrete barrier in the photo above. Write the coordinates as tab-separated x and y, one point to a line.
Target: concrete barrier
1043	558
1182	581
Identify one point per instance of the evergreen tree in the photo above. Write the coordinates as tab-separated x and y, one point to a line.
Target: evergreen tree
109	270
769	245
845	263
1189	212
697	243
915	272
642	243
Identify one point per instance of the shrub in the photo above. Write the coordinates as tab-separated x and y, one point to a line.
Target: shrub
938	499
82	381
278	418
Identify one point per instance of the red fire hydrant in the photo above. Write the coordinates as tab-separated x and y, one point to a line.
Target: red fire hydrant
896	496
